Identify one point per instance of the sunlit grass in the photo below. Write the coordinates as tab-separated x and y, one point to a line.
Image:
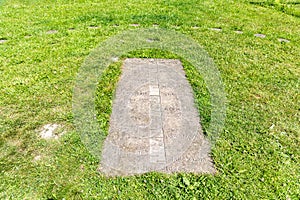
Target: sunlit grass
257	155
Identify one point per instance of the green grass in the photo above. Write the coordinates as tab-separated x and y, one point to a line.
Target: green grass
257	155
290	7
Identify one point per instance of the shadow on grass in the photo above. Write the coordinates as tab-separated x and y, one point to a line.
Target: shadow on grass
287	7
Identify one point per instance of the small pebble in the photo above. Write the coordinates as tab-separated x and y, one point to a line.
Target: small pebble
52	32
36	158
283	40
3	41
152	40
114	59
260	35
239	32
135	25
216	29
48	131
93	27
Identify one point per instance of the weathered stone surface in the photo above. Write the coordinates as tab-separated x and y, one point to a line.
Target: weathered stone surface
154	125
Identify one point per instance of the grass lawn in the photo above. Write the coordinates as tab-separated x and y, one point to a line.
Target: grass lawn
43	44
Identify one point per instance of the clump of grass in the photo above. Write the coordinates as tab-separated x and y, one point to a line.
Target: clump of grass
105	93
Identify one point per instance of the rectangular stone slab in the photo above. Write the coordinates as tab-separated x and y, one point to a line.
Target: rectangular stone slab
154	125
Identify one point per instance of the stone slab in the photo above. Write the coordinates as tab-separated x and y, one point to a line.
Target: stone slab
154	125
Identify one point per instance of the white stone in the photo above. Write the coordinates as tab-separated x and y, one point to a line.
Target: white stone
48	130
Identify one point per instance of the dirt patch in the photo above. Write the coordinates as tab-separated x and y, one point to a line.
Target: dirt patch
50	131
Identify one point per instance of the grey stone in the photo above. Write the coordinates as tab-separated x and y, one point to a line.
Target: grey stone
93	27
260	35
3	41
283	40
49	131
216	29
239	32
52	32
134	25
154	125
